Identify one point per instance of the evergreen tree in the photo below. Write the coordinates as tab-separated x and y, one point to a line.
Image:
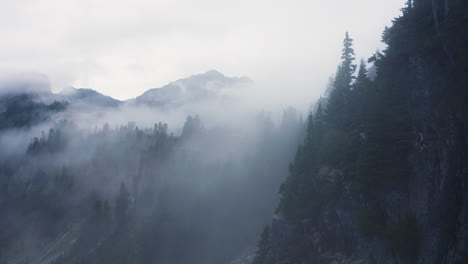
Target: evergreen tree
263	247
319	121
360	98
192	126
122	204
339	96
347	58
362	78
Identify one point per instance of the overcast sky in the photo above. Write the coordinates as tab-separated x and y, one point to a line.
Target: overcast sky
123	48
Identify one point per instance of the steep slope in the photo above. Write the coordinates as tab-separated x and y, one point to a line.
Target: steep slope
382	174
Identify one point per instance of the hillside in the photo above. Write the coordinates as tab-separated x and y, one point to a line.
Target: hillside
381	176
211	85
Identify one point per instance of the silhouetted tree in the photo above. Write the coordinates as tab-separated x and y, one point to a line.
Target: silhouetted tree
338	101
122	204
263	247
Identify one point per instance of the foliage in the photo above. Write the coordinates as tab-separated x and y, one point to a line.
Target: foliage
122	204
404	237
368	127
372	221
25	110
144	195
263	247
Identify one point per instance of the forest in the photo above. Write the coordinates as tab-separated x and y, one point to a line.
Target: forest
375	171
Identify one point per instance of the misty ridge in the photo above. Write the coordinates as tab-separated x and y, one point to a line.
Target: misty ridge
216	169
189	166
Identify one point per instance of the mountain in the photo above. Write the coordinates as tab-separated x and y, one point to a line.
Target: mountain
25	110
196	88
26	100
87	97
124	195
382	174
211	85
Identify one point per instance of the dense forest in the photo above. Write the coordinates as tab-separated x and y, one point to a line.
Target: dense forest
376	172
381	174
130	195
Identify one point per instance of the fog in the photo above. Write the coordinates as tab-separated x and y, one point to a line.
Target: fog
89	179
201	178
122	48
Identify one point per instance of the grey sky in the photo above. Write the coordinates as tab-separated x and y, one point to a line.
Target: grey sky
122	48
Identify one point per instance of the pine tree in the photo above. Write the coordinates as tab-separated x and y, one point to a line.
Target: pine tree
338	102
263	247
192	126
362	75
122	204
347	58
360	98
319	121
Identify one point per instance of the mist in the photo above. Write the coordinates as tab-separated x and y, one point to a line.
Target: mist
243	132
185	170
122	49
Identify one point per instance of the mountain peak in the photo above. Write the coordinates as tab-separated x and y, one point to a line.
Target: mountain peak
214	73
88	97
209	85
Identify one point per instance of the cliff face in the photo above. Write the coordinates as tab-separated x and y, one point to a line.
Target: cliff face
437	192
424	218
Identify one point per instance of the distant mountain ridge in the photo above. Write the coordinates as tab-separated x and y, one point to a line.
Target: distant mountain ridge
195	88
27	99
200	87
87	96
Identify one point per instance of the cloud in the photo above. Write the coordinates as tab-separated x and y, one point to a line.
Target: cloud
123	48
24	82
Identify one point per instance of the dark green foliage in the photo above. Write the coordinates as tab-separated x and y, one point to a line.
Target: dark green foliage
26	110
357	141
158	197
364	131
367	130
326	145
339	98
56	139
372	221
299	198
122	204
263	247
192	126
404	237
57	106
